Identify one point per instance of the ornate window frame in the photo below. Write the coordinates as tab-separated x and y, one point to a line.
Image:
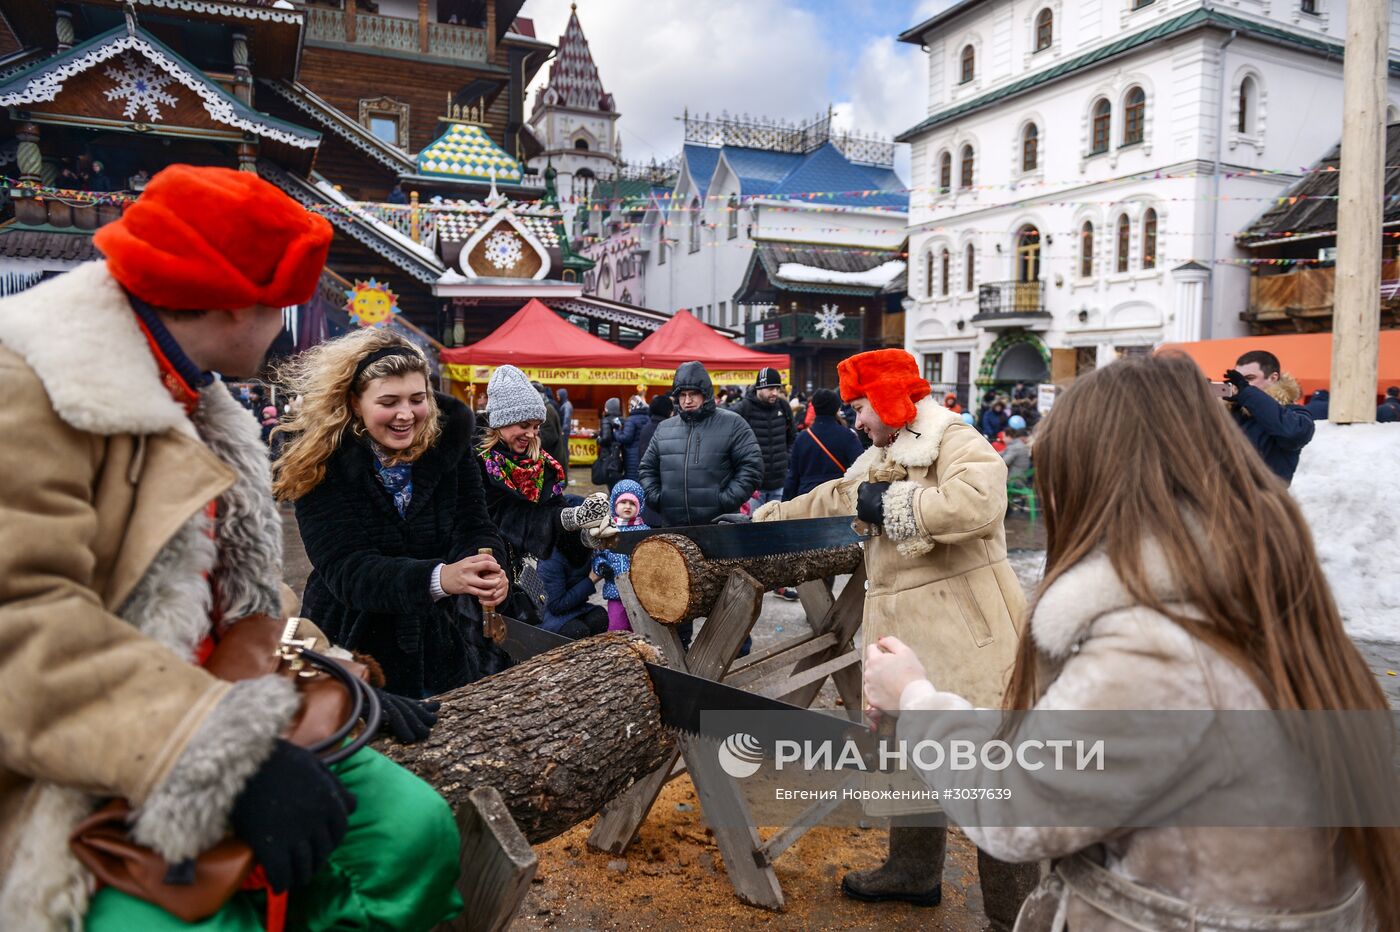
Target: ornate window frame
1255	137
386	106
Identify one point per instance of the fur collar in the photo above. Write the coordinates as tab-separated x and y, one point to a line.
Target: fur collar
1088	590
79	335
917	445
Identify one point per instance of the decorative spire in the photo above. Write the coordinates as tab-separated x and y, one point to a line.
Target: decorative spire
573	76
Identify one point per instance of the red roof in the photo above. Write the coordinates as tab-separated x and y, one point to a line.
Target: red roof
683	338
536	336
1305	356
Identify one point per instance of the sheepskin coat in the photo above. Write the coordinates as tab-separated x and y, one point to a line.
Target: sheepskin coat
1100	649
106	565
938	576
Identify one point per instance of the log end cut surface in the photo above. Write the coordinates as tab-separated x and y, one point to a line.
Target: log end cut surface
661	578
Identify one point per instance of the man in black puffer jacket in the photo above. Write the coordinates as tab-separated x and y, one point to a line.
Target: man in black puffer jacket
704	463
771	421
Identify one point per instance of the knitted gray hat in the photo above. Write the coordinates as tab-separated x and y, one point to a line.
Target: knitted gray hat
510	398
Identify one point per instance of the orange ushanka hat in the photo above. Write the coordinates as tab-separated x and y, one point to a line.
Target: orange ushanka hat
889	379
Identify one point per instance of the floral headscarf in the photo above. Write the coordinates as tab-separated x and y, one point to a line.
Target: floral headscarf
525	476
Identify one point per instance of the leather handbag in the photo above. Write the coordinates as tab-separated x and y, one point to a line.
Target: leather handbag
335	697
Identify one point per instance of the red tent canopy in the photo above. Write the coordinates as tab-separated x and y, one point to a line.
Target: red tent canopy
683	338
535	336
1305	356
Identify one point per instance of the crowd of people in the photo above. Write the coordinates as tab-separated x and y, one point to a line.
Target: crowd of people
139	526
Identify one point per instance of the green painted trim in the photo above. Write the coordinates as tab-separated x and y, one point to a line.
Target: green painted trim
986	368
1185	22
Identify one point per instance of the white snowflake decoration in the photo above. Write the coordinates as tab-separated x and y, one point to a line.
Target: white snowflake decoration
502	250
142	84
830	322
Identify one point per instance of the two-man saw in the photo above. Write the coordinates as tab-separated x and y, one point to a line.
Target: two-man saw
754	539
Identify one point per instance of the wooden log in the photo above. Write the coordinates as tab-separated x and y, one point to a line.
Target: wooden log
675	582
497	865
558	735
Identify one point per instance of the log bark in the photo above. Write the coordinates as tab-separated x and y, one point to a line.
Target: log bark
558	735
674	581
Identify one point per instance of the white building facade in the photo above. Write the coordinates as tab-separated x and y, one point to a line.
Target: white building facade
1085	165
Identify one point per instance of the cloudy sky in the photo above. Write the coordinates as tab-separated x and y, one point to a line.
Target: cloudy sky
780	58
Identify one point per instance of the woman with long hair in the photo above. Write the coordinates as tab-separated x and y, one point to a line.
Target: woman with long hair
525	486
1180	575
391	512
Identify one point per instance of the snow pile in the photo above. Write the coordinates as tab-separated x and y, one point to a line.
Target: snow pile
1349	489
878	277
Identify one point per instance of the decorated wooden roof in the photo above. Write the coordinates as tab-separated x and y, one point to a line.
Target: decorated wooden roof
457	220
466	153
573	75
127	77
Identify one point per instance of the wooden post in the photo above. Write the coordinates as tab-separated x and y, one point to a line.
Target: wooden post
1357	301
242	74
350	12
490	31
414	231
63	29
28	155
423	26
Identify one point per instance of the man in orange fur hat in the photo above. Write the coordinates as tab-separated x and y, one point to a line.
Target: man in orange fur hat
934	492
136	527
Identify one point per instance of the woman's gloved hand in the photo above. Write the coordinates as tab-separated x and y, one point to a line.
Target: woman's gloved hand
594	511
734	518
408	720
292	813
870	502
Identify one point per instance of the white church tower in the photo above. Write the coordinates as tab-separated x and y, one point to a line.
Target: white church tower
576	121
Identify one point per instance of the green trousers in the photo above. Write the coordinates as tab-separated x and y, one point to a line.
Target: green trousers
396	869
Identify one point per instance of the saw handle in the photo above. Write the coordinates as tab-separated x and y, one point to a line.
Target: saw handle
491	623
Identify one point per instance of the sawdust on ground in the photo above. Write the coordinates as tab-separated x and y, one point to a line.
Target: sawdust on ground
673	877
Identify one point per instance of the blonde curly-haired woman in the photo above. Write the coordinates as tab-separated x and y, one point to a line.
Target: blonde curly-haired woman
390	507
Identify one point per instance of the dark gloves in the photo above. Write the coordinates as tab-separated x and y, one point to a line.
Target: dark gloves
734	518
408	720
1234	377
870	502
606	571
292	813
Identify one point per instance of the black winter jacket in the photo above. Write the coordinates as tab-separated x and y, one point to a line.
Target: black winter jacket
772	427
700	465
370	583
529	528
632	437
644	440
809	467
1279	432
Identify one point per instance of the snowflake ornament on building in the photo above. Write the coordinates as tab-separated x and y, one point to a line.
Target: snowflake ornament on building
830	322
142	84
502	250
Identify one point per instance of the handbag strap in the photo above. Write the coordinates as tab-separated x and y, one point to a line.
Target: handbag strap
817	440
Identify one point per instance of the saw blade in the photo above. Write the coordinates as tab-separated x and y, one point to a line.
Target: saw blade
761	539
524	640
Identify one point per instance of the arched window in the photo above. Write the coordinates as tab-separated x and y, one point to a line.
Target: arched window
1030	148
1099	125
943	272
581	145
1044	29
928	275
1086	250
1149	239
695	220
968	164
1249	106
945	173
1124	240
969	268
969	64
1134	115
733	217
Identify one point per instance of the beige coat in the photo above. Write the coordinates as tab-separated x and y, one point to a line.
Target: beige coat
938	576
1100	649
104	553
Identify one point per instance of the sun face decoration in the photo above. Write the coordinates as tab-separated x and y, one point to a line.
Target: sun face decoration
371	304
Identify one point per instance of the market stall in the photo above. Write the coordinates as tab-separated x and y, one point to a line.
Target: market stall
684	338
1305	356
555	353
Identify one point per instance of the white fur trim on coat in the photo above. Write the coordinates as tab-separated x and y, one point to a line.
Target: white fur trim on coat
901	506
1088	590
188	812
80	336
917	445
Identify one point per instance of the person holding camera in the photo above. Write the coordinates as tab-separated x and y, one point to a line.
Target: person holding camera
1263	401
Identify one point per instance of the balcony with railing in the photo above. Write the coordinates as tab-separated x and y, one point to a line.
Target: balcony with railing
816	329
1300	301
395	34
1004	305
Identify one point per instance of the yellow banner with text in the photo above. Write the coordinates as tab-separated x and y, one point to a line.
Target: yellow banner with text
562	375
